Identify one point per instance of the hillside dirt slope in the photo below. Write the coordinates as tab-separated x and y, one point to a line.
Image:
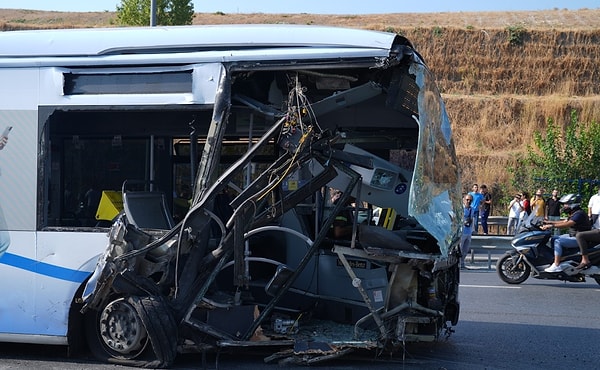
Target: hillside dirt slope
556	19
502	74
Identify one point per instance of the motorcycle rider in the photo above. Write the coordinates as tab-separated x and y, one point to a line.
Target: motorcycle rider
576	222
586	239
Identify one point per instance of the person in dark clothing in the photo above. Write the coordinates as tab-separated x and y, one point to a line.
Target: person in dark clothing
578	221
553	206
484	208
585	240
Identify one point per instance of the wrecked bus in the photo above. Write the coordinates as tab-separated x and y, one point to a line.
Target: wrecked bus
167	190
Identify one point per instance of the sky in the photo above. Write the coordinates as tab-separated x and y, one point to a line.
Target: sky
318	6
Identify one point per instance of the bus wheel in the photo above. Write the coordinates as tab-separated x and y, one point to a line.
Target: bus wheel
133	331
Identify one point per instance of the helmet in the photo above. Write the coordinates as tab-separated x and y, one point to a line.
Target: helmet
570	199
570	202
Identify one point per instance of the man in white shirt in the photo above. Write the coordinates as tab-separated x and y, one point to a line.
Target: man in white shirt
594	209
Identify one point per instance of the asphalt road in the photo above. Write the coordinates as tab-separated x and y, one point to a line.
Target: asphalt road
536	325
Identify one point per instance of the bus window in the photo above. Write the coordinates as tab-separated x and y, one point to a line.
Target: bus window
97	150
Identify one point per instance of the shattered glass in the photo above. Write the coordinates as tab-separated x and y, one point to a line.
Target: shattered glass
435	197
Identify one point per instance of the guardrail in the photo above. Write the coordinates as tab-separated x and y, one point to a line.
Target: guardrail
496	225
489	243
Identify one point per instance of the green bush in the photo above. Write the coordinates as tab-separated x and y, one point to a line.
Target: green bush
168	12
515	35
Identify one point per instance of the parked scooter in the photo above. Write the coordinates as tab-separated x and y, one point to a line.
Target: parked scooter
533	252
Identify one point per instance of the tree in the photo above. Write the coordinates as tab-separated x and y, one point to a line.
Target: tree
168	12
566	159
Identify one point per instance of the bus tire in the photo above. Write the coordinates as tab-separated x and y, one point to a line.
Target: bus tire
133	331
161	327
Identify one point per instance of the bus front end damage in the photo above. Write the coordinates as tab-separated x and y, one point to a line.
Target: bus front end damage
254	263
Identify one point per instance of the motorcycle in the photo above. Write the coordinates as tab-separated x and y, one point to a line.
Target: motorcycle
532	253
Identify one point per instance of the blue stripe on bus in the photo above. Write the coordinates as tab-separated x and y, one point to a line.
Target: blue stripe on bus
43	268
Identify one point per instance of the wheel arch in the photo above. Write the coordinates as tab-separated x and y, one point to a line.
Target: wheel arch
76	341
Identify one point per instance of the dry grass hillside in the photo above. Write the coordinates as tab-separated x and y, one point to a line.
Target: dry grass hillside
502	74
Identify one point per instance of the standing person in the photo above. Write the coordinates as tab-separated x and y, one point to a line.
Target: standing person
578	221
485	208
476	197
526	207
465	239
553	208
538	207
594	208
514	215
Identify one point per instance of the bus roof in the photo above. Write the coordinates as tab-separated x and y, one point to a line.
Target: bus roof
160	40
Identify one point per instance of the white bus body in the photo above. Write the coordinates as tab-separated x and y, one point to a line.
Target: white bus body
92	108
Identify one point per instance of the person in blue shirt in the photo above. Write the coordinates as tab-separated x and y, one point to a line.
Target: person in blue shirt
467	231
477	198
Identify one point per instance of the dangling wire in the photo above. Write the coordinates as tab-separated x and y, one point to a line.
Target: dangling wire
294	132
298	108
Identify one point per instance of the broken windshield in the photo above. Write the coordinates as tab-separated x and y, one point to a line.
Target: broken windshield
435	197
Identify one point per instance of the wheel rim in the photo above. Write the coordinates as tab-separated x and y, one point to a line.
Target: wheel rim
121	329
513	271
